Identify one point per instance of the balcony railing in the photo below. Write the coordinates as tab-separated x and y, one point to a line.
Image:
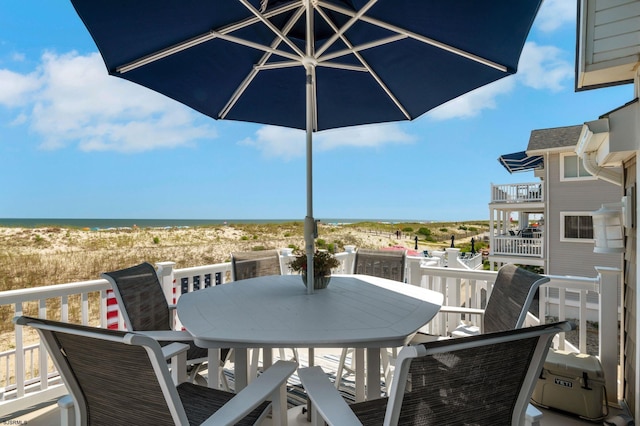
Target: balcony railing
88	302
509	245
517	193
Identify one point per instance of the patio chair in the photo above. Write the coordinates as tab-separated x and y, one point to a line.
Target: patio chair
381	263
507	306
251	264
144	307
388	264
117	377
481	380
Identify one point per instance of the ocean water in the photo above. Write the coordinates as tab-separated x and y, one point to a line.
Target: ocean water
96	224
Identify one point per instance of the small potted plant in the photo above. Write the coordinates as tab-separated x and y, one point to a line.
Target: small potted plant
323	262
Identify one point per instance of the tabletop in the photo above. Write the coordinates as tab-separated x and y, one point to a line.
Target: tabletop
276	311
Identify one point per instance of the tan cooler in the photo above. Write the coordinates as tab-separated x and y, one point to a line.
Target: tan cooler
574	383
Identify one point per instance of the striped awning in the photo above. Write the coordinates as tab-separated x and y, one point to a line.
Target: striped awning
521	162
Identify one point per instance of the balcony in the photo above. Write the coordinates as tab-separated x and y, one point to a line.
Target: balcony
517	193
28	379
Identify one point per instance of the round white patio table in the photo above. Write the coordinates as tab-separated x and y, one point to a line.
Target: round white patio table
355	311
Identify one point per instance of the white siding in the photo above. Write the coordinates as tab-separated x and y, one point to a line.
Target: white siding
609	41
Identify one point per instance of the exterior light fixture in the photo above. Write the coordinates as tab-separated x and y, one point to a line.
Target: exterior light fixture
608	227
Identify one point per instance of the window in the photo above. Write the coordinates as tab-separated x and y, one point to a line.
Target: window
576	226
572	168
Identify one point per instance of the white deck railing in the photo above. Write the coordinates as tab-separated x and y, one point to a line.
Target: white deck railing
517	193
517	246
87	302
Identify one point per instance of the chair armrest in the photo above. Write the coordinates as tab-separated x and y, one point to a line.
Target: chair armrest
174	349
177	353
461	310
325	398
261	389
168	335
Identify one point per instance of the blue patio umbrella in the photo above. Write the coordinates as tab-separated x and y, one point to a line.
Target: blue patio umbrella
310	64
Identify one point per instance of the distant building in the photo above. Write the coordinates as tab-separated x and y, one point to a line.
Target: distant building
548	222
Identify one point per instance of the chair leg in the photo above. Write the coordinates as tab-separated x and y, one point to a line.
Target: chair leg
342	366
387	364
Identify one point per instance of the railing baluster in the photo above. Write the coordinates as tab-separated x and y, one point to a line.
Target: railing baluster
583	322
42	352
19	354
85	308
64	308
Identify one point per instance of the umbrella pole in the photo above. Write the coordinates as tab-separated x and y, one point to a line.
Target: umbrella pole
309	221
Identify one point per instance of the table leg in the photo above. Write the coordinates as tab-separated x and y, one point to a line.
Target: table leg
360	374
241	369
213	361
267	358
373	373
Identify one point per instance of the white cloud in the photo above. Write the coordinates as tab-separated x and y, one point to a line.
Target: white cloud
555	13
290	143
543	67
16	89
72	100
540	67
473	103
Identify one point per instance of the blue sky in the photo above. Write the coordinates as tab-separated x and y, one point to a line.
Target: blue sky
76	143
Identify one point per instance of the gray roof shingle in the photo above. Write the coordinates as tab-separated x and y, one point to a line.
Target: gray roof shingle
557	137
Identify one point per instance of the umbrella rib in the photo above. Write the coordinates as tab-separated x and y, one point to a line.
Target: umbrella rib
345	27
260	65
210	35
290	64
368	68
418	37
272	27
362	47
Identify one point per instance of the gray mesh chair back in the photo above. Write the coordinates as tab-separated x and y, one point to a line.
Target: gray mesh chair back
140	296
251	264
381	263
144	307
481	380
511	297
117	377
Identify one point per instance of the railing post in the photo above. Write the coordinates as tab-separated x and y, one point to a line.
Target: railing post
351	258
609	281
165	275
286	255
452	258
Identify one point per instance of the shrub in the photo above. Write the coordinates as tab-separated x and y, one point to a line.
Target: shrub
156	240
424	231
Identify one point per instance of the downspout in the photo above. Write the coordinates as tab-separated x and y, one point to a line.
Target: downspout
593	134
547	215
607	174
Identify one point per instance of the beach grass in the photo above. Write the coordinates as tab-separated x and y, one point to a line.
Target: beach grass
35	257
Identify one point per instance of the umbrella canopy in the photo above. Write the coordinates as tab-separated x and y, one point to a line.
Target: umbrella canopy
310	64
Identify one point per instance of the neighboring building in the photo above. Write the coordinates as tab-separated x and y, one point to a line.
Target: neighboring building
553	227
608	54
